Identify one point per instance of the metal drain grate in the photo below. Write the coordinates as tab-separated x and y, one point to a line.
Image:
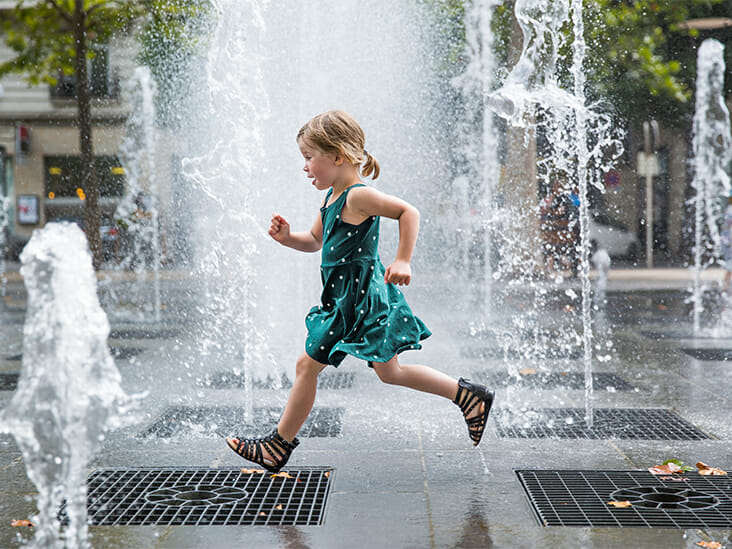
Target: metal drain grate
601	381
580	498
709	354
124	353
497	353
202	497
9	381
230	380
118	353
624	423
143	333
676	334
228	421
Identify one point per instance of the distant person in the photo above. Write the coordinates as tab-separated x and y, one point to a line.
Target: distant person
560	227
727	244
363	313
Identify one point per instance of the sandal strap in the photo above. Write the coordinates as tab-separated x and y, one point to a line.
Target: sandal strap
277	447
467	398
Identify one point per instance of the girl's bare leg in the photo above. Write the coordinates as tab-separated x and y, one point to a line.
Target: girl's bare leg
421	378
302	397
416	376
299	403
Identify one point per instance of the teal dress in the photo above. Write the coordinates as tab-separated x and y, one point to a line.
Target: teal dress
359	314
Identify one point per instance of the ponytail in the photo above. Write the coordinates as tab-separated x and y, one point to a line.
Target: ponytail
370	165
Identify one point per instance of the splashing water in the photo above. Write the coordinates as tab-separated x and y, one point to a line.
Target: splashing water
712	148
480	148
531	93
269	68
4	205
138	213
225	177
69	390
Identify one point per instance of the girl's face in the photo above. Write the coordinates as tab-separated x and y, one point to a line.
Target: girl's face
321	168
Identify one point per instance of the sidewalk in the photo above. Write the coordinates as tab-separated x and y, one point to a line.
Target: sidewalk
404	474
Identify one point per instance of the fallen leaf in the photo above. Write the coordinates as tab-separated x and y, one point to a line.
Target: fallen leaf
278	507
22	522
670	466
281	474
661	307
704	469
710	544
527	372
675	479
327	474
262	514
252	471
563	373
619	504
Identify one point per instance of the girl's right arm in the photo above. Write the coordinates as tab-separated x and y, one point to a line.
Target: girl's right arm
310	241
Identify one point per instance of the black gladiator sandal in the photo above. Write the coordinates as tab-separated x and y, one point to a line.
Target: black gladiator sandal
470	395
251	450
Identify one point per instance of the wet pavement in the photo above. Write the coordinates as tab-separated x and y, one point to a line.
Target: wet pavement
402	471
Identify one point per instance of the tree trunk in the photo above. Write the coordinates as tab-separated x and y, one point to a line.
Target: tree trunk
89	182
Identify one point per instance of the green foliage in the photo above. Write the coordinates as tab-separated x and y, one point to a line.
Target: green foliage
639	59
41	34
447	18
642	60
172	40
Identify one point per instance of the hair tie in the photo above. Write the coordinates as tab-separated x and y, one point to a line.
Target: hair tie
365	153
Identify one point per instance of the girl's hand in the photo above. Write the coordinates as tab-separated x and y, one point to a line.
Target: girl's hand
399	272
279	229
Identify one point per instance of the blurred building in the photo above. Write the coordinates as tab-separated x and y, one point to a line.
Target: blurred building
39	143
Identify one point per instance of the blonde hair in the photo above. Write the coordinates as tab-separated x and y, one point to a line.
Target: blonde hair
336	132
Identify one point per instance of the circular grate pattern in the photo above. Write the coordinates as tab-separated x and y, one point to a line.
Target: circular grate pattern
196	494
661	497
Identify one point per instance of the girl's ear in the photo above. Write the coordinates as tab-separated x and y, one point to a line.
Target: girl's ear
337	159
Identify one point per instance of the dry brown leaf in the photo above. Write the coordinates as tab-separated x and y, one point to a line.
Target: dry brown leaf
252	471
281	474
620	504
278	507
262	514
527	372
21	522
675	479
661	307
327	474
665	469
710	544
704	469
563	373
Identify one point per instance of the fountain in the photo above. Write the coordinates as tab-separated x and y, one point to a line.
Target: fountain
137	216
712	148
531	95
4	206
265	77
69	390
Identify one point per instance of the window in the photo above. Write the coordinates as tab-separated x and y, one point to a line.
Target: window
99	78
63	177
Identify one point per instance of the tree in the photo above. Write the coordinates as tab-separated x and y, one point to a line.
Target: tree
52	39
172	39
643	59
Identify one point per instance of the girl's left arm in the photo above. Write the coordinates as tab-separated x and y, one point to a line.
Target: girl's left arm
367	201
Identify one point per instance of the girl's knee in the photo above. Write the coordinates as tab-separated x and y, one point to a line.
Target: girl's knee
307	366
388	372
